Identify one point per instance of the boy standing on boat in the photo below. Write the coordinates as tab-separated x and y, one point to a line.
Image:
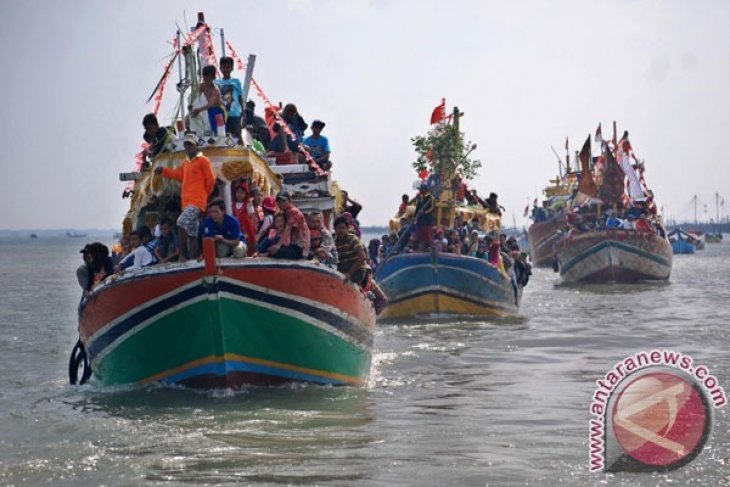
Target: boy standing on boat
197	179
232	95
212	94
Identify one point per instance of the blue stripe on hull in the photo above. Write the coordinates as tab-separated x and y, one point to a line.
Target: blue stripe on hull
359	334
221	369
407	276
612	243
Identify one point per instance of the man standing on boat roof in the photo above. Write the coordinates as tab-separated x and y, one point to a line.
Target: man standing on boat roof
197	178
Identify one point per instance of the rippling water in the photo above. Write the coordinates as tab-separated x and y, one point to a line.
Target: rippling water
454	403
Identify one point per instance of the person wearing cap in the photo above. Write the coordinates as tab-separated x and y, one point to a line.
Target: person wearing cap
425	208
294	243
319	146
197	179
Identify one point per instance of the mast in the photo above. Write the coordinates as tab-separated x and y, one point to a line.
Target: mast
247	78
180	84
717	207
223	43
694	199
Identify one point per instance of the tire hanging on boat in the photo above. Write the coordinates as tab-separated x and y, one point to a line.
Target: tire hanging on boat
78	356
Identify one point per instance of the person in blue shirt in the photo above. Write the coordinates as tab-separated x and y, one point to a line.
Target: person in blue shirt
612	221
224	229
232	97
319	146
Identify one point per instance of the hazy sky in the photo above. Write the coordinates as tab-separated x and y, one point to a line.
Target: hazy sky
526	74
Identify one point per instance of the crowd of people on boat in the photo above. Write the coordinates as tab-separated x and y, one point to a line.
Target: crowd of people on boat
223	101
639	216
418	232
258	226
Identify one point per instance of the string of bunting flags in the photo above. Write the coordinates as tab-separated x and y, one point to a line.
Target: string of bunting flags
275	109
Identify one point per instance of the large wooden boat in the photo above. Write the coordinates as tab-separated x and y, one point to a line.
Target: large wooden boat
614	256
602	243
549	219
439	284
224	322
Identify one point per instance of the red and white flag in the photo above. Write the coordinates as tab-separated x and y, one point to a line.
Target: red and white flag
439	113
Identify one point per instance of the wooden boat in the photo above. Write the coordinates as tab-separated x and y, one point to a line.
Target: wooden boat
549	221
614	256
682	242
226	322
438	284
713	237
445	285
597	247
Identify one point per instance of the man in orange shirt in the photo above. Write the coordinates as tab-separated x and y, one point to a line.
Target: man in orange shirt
198	180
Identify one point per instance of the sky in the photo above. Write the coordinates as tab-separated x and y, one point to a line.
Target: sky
525	73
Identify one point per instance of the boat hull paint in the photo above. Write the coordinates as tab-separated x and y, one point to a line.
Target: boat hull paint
426	284
614	256
682	247
251	323
543	237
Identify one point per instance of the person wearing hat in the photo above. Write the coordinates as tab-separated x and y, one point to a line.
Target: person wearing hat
319	146
294	243
425	207
197	179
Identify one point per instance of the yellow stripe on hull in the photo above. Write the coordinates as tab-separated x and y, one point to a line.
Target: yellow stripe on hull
430	304
231	357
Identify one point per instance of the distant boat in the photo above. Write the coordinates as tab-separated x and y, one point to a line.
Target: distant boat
33	235
713	238
682	242
75	235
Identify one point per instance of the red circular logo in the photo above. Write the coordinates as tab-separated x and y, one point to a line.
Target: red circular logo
661	419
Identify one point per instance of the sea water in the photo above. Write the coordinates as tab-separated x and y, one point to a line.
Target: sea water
488	402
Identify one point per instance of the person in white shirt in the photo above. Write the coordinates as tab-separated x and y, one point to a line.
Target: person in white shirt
139	257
